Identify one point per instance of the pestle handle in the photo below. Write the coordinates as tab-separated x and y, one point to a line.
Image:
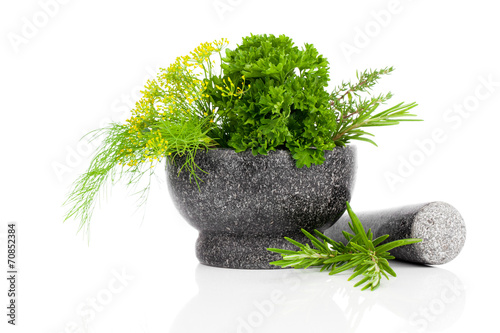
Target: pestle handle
438	224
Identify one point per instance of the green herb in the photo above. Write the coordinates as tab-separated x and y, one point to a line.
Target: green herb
265	94
174	117
284	103
117	159
362	253
353	111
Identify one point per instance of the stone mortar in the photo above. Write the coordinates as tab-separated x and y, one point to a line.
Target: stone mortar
248	203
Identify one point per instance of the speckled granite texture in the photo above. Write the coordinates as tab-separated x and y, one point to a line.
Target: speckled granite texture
438	224
248	203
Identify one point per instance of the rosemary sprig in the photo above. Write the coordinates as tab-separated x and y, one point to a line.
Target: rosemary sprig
364	254
354	112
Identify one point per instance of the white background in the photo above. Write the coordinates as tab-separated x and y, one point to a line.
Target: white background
81	67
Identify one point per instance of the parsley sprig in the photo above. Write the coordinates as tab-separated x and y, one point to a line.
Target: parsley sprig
367	256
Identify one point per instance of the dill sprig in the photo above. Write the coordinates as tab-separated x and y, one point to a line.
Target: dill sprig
367	256
117	160
174	117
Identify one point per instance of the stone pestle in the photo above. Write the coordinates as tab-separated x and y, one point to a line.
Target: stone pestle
438	224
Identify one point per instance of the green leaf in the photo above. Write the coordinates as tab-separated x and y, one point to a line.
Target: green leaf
336	245
359	248
347	235
387	268
281	251
279	262
358	228
398	243
360	282
380	239
344	267
359	138
314	240
338	258
358	272
294	242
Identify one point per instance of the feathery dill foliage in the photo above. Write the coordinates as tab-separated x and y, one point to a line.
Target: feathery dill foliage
354	111
361	252
173	117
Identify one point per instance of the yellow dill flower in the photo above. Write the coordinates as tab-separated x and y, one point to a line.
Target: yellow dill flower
169	99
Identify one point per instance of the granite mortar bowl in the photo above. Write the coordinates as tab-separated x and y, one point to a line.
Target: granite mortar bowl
246	204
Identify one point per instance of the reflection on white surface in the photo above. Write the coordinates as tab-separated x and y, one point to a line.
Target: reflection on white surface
420	299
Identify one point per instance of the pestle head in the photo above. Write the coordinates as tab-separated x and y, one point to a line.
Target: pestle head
442	230
438	224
